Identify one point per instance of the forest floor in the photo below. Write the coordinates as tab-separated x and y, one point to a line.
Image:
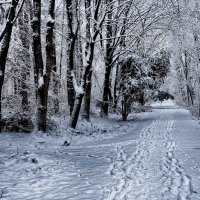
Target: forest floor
153	156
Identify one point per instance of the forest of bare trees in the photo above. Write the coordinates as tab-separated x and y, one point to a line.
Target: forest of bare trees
77	58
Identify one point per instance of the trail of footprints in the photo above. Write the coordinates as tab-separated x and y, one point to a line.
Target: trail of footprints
152	172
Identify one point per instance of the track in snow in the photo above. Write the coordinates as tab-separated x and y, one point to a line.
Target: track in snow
152	172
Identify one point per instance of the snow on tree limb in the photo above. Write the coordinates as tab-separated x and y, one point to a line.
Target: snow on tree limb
78	89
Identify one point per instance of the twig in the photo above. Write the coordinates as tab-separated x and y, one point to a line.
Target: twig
3	191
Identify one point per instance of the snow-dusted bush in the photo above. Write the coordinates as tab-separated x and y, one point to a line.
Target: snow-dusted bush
138	76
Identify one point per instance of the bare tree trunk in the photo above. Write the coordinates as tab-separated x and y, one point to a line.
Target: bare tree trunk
87	96
112	30
72	37
62	41
80	95
142	99
26	60
76	110
2	14
51	55
196	39
41	78
87	66
108	61
56	90
4	49
125	107
39	67
106	90
115	100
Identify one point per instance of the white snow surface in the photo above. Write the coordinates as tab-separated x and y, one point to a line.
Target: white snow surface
153	156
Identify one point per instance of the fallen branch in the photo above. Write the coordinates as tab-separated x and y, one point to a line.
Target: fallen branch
3	191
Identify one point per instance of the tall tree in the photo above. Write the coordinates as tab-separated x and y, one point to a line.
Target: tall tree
87	96
51	64
38	67
73	26
42	77
87	62
5	37
24	55
108	59
117	24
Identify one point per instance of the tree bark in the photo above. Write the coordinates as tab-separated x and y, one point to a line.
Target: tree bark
87	96
39	67
42	79
107	90
62	41
115	100
125	107
76	110
72	37
79	96
4	49
108	62
25	58
87	65
112	30
51	64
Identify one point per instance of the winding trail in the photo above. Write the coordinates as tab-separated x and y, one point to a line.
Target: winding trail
153	156
152	172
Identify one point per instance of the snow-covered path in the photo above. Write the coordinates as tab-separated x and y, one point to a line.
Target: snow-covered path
152	172
154	157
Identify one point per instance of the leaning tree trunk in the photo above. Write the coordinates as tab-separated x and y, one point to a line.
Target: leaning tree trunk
87	66
76	110
5	43
79	95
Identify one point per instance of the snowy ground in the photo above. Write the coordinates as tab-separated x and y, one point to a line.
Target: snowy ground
153	156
